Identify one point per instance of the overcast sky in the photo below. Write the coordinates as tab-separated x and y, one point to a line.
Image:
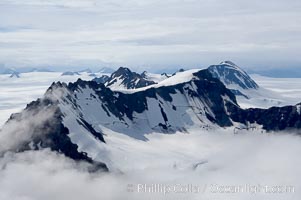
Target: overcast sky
150	33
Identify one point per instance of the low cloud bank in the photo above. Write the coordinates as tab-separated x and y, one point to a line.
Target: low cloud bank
179	166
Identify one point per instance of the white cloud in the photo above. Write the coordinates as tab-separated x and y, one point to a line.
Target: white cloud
12	134
46	32
164	159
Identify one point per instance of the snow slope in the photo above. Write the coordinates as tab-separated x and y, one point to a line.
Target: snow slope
181	77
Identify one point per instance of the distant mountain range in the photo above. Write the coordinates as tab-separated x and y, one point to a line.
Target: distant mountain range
285	72
5	70
74	119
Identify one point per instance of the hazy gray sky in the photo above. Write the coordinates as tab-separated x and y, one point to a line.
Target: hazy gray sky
150	33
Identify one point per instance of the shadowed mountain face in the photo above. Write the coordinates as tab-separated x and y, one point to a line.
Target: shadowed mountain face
272	119
103	79
70	118
230	74
40	125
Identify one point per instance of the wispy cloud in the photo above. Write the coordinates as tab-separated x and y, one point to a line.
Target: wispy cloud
126	31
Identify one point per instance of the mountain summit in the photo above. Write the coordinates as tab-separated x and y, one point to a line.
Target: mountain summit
232	75
124	78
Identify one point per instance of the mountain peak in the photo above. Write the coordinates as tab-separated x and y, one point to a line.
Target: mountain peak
15	75
232	75
227	62
125	78
144	74
121	71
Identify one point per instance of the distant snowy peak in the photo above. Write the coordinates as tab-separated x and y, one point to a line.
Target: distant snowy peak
106	70
179	71
89	71
80	72
165	75
15	75
69	73
232	75
145	74
124	78
227	62
154	77
5	70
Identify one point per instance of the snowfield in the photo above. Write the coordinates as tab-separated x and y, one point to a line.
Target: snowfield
288	87
272	92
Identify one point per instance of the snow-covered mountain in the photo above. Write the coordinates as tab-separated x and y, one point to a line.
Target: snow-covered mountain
246	90
87	72
70	73
124	78
233	77
74	119
78	73
7	70
248	93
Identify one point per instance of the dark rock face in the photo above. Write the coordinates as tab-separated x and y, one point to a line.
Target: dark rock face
211	90
92	75
229	73
180	70
15	75
129	79
144	74
272	119
90	128
53	134
165	74
103	79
